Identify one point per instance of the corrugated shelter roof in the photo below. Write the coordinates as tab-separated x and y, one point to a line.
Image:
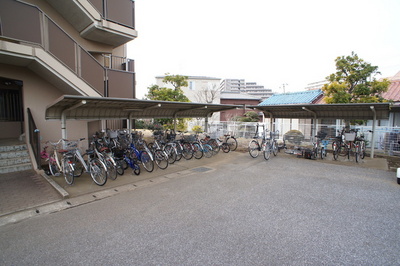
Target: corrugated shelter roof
86	108
303	97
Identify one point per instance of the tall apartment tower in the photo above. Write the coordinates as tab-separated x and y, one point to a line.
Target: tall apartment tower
241	86
51	48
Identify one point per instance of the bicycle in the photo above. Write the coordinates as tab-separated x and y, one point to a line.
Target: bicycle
344	144
318	148
231	141
144	157
157	154
105	156
271	145
55	167
205	148
74	164
255	146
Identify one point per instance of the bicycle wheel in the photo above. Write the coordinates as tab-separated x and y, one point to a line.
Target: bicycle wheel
120	167
197	151
225	147
98	171
336	150
179	151
187	151
136	169
274	147
53	167
148	164
161	159
207	150
362	150
68	171
214	145
267	151
78	167
170	151
322	153
254	148
357	154
232	143
111	169
314	153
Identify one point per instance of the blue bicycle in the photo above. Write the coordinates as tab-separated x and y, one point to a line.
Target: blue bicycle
143	157
132	162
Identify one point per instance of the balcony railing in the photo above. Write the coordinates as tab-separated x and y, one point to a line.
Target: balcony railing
26	23
118	11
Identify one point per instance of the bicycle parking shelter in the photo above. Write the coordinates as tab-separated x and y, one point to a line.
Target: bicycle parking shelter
348	111
102	108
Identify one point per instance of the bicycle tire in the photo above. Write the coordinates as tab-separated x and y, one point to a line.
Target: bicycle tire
197	151
336	151
208	150
254	148
145	159
136	169
179	152
161	159
68	171
267	151
53	167
225	147
111	169
78	167
187	151
171	155
314	153
214	145
275	148
322	153
98	171
362	150
120	167
232	143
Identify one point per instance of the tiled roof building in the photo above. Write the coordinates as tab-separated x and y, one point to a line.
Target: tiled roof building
311	96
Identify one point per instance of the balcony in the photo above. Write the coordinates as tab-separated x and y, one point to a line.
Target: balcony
29	38
106	21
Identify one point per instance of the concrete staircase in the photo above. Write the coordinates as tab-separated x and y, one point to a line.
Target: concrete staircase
14	158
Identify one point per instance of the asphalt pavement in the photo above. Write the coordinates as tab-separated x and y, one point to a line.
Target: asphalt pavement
230	210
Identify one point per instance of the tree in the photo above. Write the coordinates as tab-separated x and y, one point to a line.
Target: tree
176	94
354	82
249	116
208	95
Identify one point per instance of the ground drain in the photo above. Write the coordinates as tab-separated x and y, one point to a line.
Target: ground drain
201	169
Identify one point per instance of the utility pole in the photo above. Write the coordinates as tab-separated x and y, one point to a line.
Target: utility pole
283	86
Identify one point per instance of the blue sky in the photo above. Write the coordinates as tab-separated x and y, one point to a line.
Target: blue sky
270	42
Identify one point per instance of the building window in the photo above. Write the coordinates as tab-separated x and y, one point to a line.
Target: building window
192	85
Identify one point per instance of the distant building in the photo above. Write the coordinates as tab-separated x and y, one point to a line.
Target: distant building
251	88
200	89
236	98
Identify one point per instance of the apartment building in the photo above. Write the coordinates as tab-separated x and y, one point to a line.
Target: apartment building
50	48
250	88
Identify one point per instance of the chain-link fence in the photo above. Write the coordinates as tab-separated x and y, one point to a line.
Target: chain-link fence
386	138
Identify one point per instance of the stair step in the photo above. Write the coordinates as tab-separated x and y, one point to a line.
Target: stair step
15	168
13	154
8	148
14	158
15	161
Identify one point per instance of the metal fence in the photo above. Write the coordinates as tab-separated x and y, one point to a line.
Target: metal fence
386	139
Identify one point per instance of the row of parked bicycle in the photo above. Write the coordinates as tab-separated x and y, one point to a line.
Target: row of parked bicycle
113	152
347	143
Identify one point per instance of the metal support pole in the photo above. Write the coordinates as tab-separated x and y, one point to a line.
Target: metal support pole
64	118
373	132
314	128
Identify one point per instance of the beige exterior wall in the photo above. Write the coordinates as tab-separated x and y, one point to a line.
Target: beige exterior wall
37	94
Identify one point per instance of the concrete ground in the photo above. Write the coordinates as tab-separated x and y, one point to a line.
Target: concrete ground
229	210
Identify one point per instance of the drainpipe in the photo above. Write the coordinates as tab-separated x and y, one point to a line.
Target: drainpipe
64	118
373	131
